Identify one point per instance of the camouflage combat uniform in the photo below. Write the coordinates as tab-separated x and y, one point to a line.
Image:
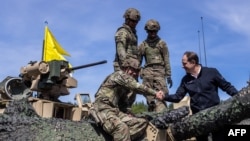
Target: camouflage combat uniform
122	126
157	68
128	47
126	44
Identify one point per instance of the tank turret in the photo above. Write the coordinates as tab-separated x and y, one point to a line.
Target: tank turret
51	79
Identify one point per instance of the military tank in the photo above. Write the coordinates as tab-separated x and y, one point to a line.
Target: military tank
44	117
43	83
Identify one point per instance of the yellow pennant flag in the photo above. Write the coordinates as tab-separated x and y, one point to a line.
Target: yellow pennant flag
52	49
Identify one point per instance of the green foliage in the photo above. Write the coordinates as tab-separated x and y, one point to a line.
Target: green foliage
139	107
170	106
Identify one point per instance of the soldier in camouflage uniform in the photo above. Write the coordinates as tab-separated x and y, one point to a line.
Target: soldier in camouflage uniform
126	38
120	124
157	65
126	42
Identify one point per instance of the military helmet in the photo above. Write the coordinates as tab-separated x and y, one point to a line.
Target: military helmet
132	14
152	25
131	62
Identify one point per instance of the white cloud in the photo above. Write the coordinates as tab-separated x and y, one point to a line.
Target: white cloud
233	14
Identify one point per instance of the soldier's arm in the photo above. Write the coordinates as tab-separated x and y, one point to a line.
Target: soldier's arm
129	82
165	54
120	39
141	53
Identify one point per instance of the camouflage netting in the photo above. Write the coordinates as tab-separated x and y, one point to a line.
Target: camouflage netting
232	111
20	123
165	119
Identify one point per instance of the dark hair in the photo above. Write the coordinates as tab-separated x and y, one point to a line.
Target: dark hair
192	56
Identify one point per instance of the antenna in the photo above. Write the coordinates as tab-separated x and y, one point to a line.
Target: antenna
199	45
46	24
249	79
204	41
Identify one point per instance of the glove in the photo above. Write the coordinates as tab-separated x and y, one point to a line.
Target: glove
170	82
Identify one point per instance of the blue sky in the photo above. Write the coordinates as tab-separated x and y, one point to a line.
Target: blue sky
86	28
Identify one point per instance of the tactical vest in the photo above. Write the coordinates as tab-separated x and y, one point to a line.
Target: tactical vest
153	54
130	41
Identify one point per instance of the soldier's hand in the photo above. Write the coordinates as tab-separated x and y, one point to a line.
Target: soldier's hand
170	82
160	95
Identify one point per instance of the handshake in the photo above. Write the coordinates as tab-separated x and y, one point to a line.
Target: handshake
160	95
